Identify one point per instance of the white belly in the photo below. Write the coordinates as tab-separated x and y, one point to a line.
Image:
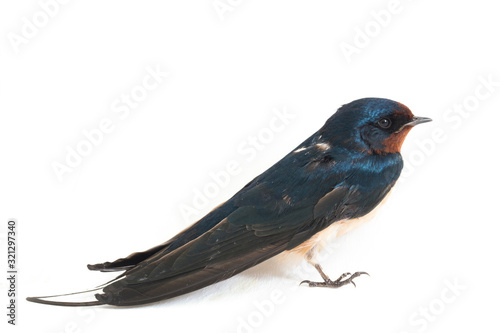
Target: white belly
337	229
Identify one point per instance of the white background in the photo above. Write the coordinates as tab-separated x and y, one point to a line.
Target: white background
226	76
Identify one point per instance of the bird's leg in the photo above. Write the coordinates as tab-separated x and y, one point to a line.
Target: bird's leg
327	282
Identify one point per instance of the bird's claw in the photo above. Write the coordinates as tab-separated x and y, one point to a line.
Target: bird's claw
337	283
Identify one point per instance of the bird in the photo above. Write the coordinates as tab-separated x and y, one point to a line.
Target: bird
326	185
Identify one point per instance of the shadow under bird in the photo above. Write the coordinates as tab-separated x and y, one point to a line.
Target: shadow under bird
324	186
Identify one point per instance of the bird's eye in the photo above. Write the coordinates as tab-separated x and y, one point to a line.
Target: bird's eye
384	123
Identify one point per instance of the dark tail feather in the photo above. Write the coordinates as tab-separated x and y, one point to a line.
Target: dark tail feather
177	241
43	301
128	262
122	293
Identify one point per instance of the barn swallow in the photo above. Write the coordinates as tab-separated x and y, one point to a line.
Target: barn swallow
325	185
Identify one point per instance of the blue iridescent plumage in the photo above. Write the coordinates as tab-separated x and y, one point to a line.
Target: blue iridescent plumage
340	173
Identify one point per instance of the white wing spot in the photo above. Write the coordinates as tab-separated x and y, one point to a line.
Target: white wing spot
322	146
300	149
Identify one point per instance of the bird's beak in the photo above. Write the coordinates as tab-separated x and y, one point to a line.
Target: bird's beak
414	121
418	120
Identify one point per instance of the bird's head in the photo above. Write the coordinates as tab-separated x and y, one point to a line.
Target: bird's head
374	125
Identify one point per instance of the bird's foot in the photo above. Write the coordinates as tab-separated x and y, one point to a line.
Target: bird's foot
337	283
